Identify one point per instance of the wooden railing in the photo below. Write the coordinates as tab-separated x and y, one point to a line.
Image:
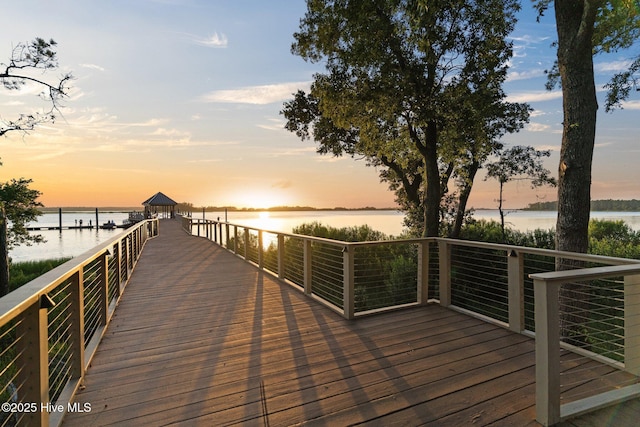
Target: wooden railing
50	328
515	287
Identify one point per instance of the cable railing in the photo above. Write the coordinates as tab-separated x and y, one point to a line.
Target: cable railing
593	301
50	328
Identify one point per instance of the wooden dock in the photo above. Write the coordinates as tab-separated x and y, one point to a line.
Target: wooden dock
202	338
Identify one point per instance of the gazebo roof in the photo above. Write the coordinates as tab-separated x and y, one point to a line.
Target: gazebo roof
159	199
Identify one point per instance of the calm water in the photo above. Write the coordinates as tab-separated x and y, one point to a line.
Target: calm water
75	242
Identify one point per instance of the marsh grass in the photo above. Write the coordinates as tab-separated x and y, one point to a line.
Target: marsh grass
23	272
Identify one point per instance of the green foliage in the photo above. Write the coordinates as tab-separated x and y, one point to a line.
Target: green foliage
613	238
23	272
609	238
362	233
491	232
616	27
521	162
596	206
21	207
409	87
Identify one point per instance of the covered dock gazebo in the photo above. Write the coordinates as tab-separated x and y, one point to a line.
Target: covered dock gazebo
160	205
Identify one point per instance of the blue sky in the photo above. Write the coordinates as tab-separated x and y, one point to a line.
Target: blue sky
184	97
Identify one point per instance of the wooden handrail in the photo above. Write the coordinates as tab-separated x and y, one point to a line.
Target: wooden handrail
26	310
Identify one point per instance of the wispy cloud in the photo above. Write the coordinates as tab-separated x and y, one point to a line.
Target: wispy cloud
535	96
256	95
283	183
513	76
215	40
529	39
612	66
92	67
274	124
631	105
537	127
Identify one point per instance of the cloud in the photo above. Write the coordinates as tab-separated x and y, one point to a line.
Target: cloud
536	96
631	105
513	76
274	124
537	127
284	183
612	67
529	39
256	95
216	40
92	66
205	161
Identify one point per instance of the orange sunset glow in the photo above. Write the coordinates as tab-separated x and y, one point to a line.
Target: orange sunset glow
199	119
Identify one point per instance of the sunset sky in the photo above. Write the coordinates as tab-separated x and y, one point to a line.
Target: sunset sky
183	97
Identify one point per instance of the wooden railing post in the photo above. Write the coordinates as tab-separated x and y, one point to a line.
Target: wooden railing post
547	352
76	320
281	258
423	272
260	249
445	273
307	276
515	278
32	350
348	258
227	236
632	324
246	243
104	288
118	263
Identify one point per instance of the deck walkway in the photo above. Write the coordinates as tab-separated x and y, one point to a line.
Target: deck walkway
203	338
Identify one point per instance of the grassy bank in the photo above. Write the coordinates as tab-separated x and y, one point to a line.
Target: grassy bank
23	272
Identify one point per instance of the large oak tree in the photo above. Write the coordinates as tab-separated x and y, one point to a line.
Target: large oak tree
413	87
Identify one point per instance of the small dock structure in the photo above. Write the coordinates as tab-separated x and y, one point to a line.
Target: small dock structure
160	205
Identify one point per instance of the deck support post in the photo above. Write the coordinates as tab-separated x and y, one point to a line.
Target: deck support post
118	256
76	325
348	257
515	278
32	349
445	273
246	243
632	324
260	249
547	352
281	259
104	289
423	273
307	277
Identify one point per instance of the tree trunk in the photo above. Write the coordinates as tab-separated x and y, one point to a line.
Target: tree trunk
4	253
500	200
465	192
575	21
432	193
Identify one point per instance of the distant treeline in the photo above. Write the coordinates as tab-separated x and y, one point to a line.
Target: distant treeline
188	207
596	206
91	209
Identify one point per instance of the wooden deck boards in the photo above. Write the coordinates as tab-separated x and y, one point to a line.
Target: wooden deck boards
203	338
